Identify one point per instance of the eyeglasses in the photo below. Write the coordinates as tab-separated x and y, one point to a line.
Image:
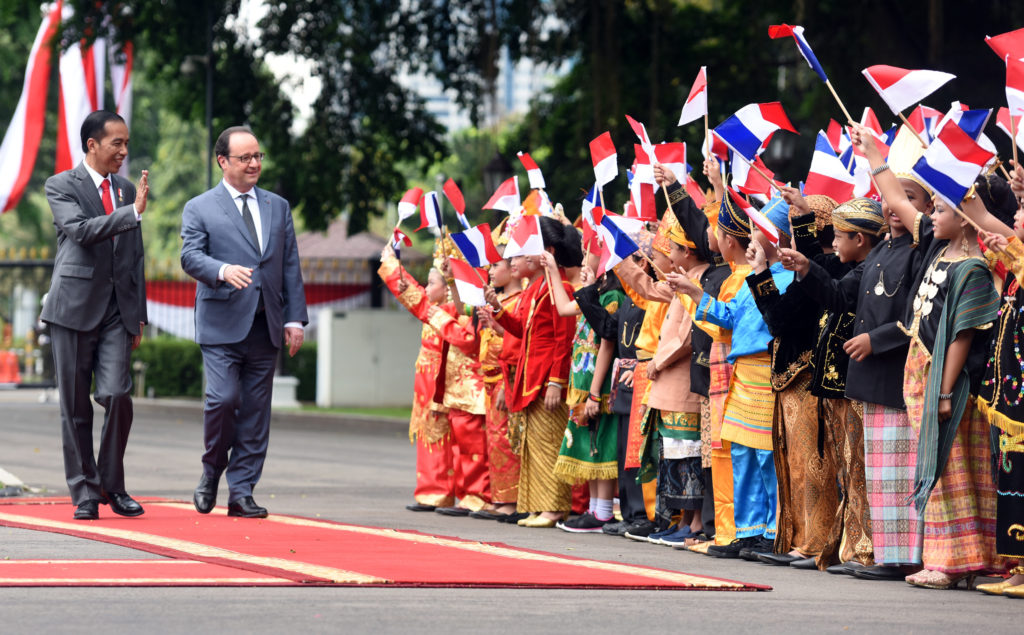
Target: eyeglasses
247	158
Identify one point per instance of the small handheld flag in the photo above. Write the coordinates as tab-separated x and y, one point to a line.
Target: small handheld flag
469	282
430	211
476	245
827	174
532	171
756	217
506	197
783	30
591	208
951	164
410	203
454	196
398	238
901	88
1006	44
525	239
747	132
696	105
604	158
618	245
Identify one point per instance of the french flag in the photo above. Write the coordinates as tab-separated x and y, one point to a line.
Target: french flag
476	245
602	155
782	30
827	175
532	170
951	164
469	282
748	131
506	197
901	88
398	238
972	122
454	196
1003	123
430	211
591	207
673	157
618	245
1007	44
696	105
756	217
525	239
24	131
410	203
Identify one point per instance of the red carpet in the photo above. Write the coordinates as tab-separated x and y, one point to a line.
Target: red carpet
288	549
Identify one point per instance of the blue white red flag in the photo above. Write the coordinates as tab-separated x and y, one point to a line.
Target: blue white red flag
756	217
828	175
430	211
592	202
615	231
782	30
454	196
951	164
476	245
747	132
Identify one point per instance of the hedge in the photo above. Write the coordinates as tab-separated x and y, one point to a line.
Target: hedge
174	367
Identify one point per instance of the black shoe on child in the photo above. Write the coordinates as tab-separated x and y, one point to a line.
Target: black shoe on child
760	545
640	530
731	550
582	524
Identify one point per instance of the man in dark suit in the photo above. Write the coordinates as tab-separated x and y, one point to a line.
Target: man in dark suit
239	243
96	308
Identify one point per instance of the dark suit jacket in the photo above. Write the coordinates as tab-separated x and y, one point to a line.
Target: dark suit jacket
214	234
97	254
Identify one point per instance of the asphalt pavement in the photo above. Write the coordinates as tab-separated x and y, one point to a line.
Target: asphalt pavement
360	470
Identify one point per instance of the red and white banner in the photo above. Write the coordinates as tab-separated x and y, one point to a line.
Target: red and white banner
82	73
121	80
21	141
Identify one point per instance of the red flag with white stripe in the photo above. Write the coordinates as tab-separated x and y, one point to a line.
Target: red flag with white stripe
506	197
21	140
121	79
82	71
901	88
696	105
604	158
532	170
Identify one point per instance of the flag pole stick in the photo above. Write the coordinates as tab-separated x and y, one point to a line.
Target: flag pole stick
707	135
839	101
1013	139
904	118
656	268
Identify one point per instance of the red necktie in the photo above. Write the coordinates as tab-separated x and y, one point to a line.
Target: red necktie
108	203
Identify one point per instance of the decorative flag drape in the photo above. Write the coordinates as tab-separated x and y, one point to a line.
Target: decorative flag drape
21	140
82	73
121	80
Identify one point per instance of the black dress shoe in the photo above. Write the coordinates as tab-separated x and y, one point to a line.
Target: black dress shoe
845	568
513	518
123	505
246	507
205	496
779	559
881	572
760	545
88	510
420	507
486	514
453	511
805	563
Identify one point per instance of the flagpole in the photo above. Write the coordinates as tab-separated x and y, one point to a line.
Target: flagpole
1013	140
707	135
904	118
839	101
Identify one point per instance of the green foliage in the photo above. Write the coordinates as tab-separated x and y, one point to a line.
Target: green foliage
303	368
174	366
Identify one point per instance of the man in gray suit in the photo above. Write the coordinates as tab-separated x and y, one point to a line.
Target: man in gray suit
96	308
239	243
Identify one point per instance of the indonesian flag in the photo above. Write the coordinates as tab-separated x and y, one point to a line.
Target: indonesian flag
615	231
869	120
747	132
469	282
696	105
901	88
641	133
673	157
410	203
951	164
532	171
923	120
1015	85
430	211
602	155
476	245
82	71
121	81
827	175
506	197
756	217
748	180
837	137
1003	123
591	239
21	141
454	196
641	195
782	30
642	168
398	238
525	239
693	189
1006	44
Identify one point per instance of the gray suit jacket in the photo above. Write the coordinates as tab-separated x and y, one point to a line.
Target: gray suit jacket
213	234
97	254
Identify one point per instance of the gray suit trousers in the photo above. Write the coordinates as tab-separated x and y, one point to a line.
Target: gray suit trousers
103	352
